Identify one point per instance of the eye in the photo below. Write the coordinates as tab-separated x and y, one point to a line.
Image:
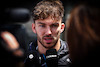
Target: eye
41	25
55	25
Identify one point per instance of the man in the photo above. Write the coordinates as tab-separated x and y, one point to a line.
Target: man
48	26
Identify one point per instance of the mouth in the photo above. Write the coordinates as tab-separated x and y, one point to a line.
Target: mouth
48	39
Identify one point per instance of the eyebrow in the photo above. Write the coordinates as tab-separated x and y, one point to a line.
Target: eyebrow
45	24
40	23
55	23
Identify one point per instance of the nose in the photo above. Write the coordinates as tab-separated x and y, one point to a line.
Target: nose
48	31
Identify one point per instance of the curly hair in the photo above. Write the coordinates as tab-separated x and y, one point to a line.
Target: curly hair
46	8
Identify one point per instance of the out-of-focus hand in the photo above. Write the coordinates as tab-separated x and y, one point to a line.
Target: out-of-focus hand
10	40
12	43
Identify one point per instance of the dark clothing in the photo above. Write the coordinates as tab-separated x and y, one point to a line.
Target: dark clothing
63	56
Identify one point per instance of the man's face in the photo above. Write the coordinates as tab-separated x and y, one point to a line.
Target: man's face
48	31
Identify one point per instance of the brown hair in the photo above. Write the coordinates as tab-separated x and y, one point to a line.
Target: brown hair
46	8
83	32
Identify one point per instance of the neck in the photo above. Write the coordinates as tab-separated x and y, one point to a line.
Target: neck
42	50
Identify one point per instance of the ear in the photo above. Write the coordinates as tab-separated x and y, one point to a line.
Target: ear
62	27
33	27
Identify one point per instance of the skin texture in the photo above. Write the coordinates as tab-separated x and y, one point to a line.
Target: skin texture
48	33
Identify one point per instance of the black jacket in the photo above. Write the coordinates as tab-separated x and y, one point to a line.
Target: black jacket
63	56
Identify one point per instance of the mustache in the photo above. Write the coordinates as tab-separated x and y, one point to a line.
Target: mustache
48	36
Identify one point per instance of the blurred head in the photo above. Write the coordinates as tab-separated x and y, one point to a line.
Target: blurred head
83	34
47	16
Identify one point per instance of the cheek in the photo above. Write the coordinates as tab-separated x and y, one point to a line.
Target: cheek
56	32
40	33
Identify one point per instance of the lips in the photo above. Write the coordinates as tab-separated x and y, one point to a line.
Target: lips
48	39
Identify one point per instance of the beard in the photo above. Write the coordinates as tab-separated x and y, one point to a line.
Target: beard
55	40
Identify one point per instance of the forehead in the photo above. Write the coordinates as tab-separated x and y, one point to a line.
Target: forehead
48	20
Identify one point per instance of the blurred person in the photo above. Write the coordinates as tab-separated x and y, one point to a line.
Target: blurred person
83	35
47	16
11	53
13	43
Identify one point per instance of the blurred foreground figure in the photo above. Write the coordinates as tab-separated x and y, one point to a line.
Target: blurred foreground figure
83	36
11	54
13	36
